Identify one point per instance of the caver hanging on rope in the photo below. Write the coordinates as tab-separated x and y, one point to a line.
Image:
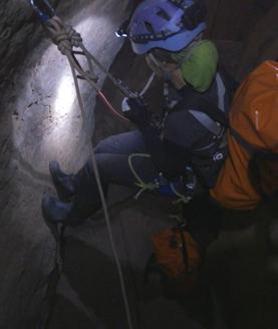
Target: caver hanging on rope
189	136
70	44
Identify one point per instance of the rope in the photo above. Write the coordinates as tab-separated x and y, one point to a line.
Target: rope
140	183
181	198
66	38
152	186
108	104
147	86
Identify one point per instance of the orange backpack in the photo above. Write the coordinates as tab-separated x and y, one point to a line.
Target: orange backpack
250	172
177	258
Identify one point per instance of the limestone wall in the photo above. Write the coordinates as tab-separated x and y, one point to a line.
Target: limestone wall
252	24
26	246
33	75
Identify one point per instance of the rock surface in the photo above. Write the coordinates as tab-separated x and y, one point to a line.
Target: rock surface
39	121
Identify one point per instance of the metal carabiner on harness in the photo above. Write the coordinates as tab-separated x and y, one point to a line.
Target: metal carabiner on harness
43	9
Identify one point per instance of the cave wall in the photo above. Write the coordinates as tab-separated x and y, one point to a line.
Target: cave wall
17	25
252	24
19	32
26	246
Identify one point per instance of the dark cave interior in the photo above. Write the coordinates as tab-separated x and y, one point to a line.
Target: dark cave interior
40	121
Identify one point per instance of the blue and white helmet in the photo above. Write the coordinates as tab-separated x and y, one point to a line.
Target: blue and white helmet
167	24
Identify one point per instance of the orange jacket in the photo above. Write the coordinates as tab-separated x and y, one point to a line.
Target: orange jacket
254	115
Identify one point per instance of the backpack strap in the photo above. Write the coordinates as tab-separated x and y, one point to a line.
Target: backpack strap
253	150
217	115
206	121
198	103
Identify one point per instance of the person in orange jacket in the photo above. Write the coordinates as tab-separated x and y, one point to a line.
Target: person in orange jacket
249	175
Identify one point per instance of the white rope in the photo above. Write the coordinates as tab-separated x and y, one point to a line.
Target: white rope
147	86
152	186
181	198
56	28
140	183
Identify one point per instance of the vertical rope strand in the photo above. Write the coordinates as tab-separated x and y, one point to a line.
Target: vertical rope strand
105	209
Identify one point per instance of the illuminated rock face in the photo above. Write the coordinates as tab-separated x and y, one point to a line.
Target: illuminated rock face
40	121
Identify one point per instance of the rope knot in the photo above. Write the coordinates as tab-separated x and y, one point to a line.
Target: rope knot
65	37
76	39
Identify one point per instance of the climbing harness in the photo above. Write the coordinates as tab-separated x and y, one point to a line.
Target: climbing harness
70	44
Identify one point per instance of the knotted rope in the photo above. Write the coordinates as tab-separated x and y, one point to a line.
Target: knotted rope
67	39
70	44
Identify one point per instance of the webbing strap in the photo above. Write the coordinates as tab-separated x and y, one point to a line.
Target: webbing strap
193	100
251	149
221	92
207	122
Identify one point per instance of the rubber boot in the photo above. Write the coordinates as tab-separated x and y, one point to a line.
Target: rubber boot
55	211
86	198
83	203
63	183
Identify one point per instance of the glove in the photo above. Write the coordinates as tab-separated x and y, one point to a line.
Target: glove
136	111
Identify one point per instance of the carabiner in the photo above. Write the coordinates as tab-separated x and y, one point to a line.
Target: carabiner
43	9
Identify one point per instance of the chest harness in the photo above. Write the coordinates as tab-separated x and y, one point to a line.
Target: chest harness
208	158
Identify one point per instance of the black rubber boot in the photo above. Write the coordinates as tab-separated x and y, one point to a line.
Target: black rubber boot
86	198
55	211
67	213
79	191
63	183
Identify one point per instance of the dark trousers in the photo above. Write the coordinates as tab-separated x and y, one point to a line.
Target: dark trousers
112	153
112	156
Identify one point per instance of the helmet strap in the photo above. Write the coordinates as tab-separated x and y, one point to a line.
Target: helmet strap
174	75
155	64
177	79
184	54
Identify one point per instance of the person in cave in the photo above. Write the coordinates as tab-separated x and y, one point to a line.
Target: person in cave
186	150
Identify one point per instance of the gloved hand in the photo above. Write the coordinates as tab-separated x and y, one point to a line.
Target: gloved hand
136	111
